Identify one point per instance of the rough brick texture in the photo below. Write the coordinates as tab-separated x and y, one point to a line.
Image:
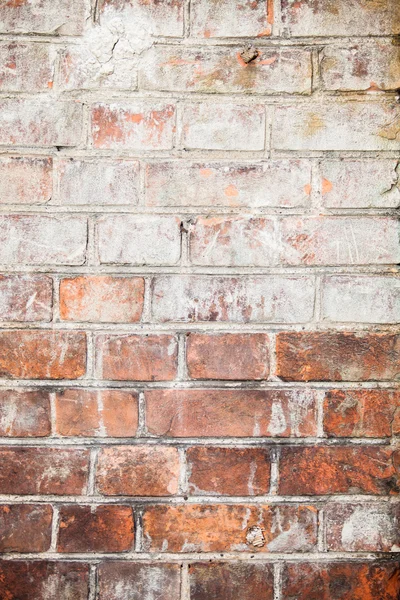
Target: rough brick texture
199	299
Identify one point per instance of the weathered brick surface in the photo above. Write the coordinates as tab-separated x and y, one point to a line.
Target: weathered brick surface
213	70
39	354
97	413
25	528
228	471
43	471
138	581
138	471
130	240
25	180
104	528
219	528
228	356
339	470
199	307
214	127
22	580
231	413
137	357
101	182
225	581
337	356
362	413
243	300
102	299
24	413
277	183
341	581
26	298
362	527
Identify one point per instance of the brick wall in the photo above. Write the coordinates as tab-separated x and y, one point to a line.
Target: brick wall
199	292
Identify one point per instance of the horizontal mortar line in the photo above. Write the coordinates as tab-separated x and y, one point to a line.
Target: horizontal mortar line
257	442
265	557
196	384
139	501
213	327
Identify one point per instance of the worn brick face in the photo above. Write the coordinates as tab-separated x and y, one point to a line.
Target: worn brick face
26	298
22	16
249	19
138	581
16	72
224	581
25	528
24	413
25	180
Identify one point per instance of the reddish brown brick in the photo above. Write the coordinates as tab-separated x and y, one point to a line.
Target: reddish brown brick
138	471
320	356
42	354
224	528
43	471
228	356
362	527
228	471
362	413
26	298
138	581
96	413
102	299
339	470
24	413
25	528
42	580
105	528
229	581
341	581
231	413
25	180
137	357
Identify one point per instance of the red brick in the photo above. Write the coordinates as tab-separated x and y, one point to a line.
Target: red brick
222	70
38	354
26	298
362	413
42	240
228	356
231	413
321	18
102	182
24	413
25	180
137	357
228	471
25	528
102	299
229	581
37	122
42	580
104	528
26	67
346	356
341	581
67	17
97	413
162	18
230	19
137	126
362	527
276	183
339	470
138	581
214	126
129	239
224	528
138	471
239	299
339	241
43	471
234	242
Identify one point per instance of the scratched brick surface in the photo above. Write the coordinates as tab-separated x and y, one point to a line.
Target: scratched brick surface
199	300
